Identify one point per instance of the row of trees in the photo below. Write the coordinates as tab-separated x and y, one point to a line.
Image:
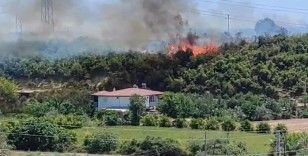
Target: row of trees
240	107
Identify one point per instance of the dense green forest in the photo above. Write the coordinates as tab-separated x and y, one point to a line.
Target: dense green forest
269	66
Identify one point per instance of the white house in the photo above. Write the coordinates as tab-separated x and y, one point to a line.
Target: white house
120	99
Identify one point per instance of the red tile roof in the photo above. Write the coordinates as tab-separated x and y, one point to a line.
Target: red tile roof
128	92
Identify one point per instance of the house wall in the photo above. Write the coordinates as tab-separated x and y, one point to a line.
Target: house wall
121	102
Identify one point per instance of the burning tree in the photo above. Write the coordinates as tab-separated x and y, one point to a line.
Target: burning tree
190	42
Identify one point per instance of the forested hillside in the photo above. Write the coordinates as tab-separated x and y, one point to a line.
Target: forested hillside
268	66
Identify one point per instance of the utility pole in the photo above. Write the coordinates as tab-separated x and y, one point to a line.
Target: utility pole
205	144
228	17
278	147
18	24
47	12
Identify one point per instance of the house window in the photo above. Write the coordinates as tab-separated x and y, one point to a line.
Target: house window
152	99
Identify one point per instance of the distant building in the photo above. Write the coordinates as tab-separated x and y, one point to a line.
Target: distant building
120	99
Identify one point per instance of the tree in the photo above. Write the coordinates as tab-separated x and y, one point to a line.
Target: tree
246	126
35	135
223	147
228	125
8	94
136	108
100	143
160	147
263	127
4	147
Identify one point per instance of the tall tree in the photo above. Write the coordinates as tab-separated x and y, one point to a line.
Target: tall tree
137	108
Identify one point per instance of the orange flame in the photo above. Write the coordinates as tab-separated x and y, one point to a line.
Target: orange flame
207	49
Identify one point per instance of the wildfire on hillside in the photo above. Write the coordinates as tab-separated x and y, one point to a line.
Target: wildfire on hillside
190	42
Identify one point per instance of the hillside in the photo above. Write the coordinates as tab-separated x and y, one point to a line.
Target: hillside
274	66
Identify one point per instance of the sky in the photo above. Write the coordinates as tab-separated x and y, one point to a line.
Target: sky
292	14
245	13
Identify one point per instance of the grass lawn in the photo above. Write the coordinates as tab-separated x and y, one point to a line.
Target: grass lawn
256	143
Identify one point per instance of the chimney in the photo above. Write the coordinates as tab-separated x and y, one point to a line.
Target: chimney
135	86
144	86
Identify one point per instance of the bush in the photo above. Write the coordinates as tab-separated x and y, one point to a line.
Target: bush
194	148
212	124
129	147
149	120
66	121
226	147
164	121
180	123
34	135
8	95
4	145
228	125
305	114
197	124
159	146
246	126
7	126
100	143
110	118
282	128
263	127
38	109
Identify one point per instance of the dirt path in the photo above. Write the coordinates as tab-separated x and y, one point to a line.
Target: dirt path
294	125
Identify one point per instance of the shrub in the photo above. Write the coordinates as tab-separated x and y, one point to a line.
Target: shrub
226	147
129	147
246	126
7	126
180	123
8	95
212	124
305	114
228	125
282	128
66	121
110	118
164	121
194	148
159	146
32	135
149	120
38	109
4	147
100	143
197	124
263	127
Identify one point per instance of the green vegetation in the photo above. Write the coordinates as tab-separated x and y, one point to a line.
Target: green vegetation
34	135
100	143
137	109
256	143
8	95
244	82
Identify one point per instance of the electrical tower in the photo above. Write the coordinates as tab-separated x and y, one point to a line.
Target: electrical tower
18	24
47	12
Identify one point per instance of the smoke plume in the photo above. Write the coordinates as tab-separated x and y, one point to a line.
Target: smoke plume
127	22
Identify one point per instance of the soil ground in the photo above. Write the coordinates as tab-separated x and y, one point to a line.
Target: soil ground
294	125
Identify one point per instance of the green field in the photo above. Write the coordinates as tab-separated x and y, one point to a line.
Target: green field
256	143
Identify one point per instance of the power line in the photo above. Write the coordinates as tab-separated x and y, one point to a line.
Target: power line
204	12
263	5
305	12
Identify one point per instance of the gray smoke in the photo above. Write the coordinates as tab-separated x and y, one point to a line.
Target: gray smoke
125	22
